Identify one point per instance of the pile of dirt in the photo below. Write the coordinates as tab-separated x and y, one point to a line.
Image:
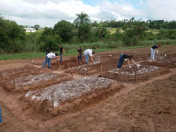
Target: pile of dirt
35	81
134	74
70	96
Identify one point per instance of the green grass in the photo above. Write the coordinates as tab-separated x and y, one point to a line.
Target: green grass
68	53
97	47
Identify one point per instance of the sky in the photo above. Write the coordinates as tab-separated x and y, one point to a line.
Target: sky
47	13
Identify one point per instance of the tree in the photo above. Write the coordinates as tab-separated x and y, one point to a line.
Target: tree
82	18
82	22
12	36
84	32
36	26
49	39
65	30
134	35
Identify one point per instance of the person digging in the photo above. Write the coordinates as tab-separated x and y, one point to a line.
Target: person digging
128	58
154	49
89	53
48	58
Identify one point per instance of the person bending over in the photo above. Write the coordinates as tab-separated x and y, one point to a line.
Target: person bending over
89	53
48	58
129	58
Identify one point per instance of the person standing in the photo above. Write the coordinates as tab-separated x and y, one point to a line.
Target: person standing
48	58
129	58
61	50
89	53
47	51
80	54
154	49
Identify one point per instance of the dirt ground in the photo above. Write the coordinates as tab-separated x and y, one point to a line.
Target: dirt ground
145	106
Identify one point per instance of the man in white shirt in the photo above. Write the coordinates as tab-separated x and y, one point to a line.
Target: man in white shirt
48	58
88	53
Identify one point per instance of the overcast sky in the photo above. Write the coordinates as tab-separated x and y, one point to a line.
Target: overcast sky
49	12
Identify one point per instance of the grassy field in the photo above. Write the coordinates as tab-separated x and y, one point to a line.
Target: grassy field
66	53
98	47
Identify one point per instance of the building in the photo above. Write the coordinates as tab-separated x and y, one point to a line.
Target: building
29	29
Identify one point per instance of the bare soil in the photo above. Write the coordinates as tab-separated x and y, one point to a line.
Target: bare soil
34	81
162	62
70	96
143	73
148	105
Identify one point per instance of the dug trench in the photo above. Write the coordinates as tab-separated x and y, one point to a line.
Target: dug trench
70	96
134	74
23	109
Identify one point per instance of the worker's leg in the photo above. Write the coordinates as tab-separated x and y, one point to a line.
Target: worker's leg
120	61
49	63
78	57
152	57
87	58
0	115
61	57
46	60
81	57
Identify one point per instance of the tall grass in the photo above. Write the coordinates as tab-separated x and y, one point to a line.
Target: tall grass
94	45
71	49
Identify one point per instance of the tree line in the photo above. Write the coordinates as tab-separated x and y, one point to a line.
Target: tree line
13	37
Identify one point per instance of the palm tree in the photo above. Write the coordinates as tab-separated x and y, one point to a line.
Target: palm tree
81	19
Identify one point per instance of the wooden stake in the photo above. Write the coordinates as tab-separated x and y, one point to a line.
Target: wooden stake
85	69
101	68
135	74
14	84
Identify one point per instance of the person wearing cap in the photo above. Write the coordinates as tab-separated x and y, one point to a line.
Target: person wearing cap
129	58
48	58
154	49
89	53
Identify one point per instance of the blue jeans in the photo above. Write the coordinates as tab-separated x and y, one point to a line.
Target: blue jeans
47	60
60	57
120	61
152	57
87	58
0	115
80	57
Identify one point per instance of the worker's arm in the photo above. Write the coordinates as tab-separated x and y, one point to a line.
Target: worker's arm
91	57
128	62
156	50
133	62
138	65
